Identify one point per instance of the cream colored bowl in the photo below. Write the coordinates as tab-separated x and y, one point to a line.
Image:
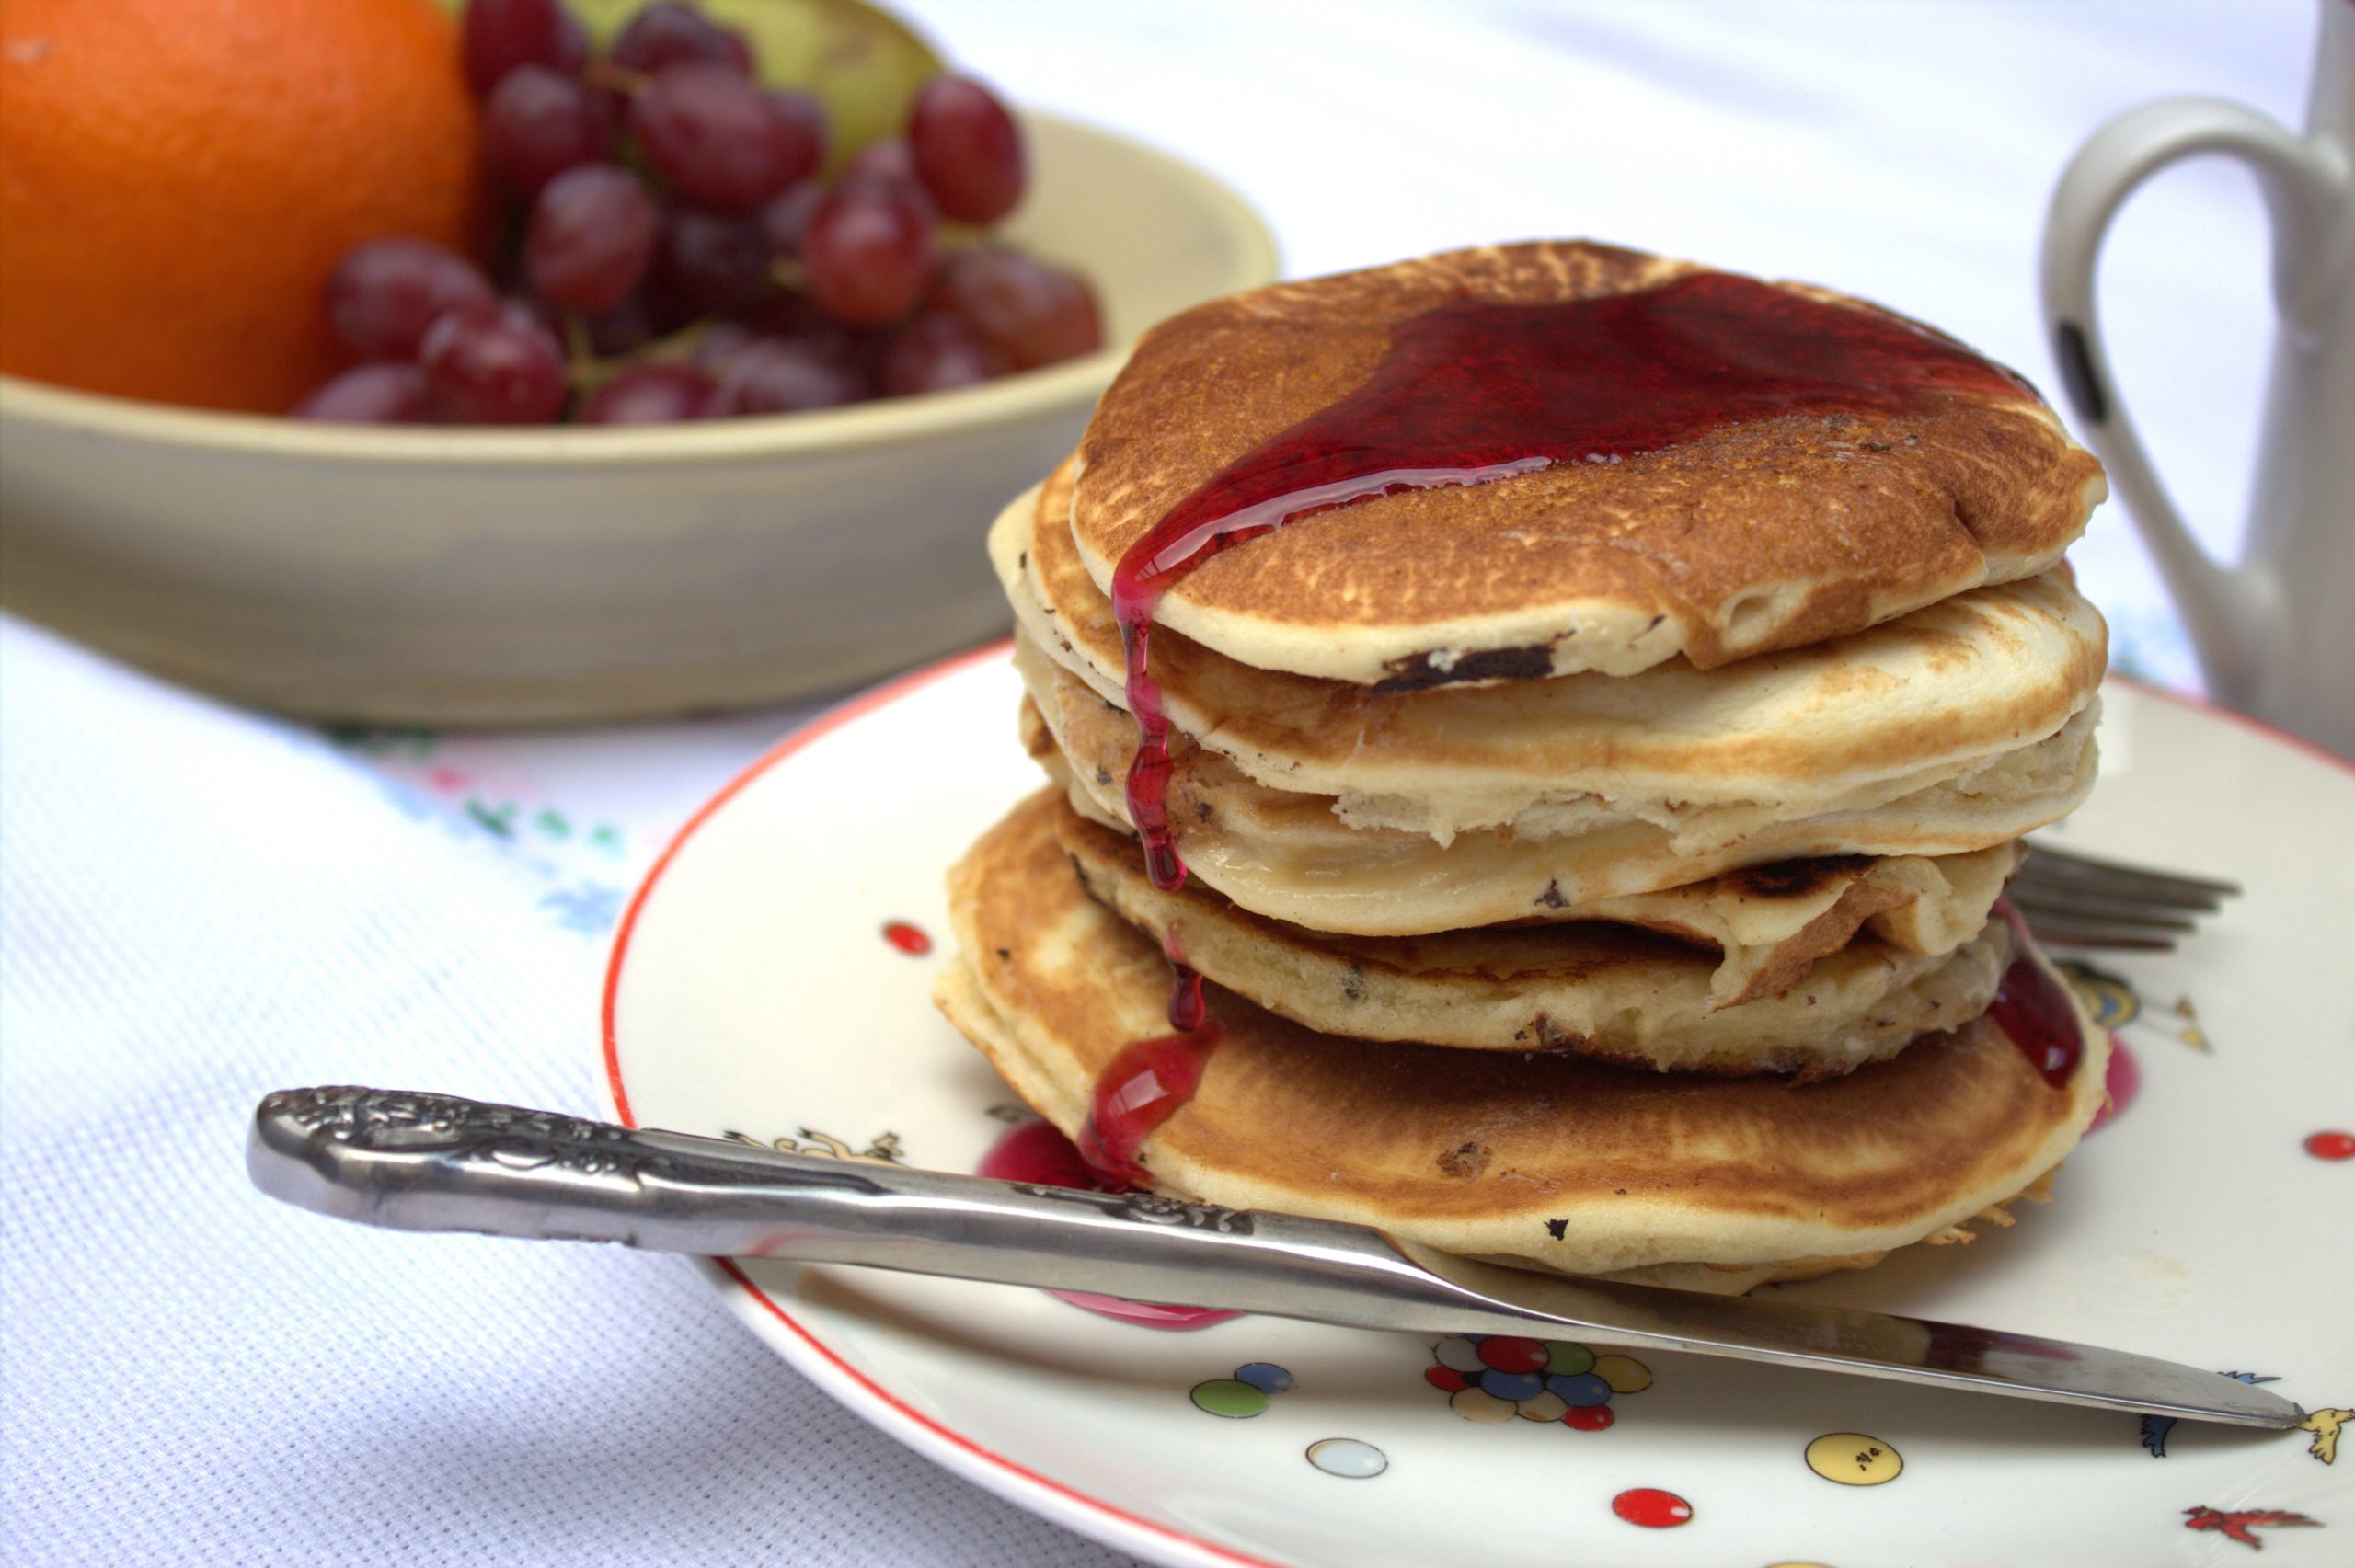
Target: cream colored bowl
457	576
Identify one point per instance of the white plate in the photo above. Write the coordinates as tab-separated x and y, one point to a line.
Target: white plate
754	990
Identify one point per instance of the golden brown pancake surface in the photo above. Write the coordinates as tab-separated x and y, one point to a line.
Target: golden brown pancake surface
1764	534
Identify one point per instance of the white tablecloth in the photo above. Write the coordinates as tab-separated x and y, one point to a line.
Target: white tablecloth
199	905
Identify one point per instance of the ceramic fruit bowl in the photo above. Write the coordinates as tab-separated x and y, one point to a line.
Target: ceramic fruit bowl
458	576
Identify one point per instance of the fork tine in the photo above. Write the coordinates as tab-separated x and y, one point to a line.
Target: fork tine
2114	894
2077	900
2133	880
2078	933
2067	903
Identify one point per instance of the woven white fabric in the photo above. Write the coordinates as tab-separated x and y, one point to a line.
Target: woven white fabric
197	905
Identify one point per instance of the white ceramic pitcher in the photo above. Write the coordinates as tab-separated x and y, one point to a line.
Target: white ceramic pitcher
2275	635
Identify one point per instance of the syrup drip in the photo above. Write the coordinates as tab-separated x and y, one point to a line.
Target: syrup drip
2034	1009
1186	1005
1036	1152
1142	1086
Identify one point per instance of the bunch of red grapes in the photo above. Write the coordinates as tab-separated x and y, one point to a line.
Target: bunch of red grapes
677	257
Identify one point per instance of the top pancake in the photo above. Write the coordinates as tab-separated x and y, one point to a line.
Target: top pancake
1765	534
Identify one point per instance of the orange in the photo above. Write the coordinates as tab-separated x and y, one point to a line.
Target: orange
178	178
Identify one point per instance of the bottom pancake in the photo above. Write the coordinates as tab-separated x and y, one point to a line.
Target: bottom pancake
1568	1165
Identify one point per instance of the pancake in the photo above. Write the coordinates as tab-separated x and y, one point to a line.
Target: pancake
1767	920
1293	857
1551	1160
1842	726
1595	989
1760	534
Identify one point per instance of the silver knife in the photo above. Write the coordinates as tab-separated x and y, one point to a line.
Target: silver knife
416	1161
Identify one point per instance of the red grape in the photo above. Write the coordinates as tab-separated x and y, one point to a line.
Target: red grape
718	139
591	235
886	158
936	352
546	311
382	295
649	394
666	34
497	36
800	319
772	376
537	123
493	364
784	218
806	112
1034	313
624	329
868	246
571	44
380	394
719	262
720	343
967	150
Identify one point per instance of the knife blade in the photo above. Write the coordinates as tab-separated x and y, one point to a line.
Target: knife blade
422	1161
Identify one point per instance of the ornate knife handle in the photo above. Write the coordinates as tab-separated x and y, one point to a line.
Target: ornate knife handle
436	1162
417	1162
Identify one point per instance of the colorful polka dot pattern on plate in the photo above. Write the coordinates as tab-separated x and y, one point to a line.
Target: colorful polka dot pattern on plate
1348	1457
2332	1145
909	939
1652	1508
1244	1395
1498	1377
1854	1458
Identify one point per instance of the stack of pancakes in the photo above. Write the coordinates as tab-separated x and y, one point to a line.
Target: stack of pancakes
1594	868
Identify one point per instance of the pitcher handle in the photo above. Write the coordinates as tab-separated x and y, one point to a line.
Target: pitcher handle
2302	187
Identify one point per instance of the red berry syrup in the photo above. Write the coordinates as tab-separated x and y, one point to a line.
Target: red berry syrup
1036	1152
1142	1086
1186	1005
2034	1009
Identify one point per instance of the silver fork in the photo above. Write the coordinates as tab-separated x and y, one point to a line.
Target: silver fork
2075	900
